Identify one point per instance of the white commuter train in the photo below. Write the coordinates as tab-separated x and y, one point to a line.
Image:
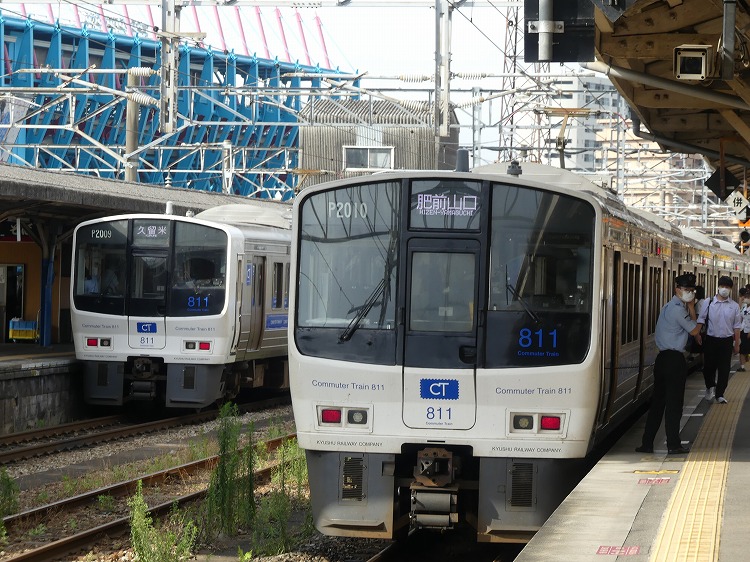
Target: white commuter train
182	311
460	342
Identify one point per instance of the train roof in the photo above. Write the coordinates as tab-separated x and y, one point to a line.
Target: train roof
570	180
696	236
727	246
265	213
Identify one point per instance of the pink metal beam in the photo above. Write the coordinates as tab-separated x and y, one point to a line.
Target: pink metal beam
151	21
102	19
127	20
51	14
242	30
77	15
302	35
322	40
221	29
262	31
198	23
283	35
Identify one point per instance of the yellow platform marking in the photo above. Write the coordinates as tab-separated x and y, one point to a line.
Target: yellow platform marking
691	526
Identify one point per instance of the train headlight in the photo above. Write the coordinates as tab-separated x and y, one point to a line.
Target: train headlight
352	418
358	417
523	421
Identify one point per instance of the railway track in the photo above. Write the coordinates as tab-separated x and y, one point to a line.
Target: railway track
35	443
57	549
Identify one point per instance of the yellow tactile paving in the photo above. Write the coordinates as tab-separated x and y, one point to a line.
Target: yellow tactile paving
691	527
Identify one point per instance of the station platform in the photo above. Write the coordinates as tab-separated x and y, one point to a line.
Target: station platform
19	357
659	507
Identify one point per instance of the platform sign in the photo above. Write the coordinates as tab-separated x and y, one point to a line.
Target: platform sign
730	184
738	202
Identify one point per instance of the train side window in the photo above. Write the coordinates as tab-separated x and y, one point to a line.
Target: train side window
655	291
286	286
277	298
631	315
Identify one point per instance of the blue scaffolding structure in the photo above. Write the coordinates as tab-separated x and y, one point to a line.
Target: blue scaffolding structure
237	115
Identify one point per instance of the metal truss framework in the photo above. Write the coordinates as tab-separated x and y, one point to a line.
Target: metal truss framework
65	93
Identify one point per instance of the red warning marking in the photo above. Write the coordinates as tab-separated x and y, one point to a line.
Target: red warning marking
619	550
653	481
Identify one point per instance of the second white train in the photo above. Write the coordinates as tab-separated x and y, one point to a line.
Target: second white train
182	311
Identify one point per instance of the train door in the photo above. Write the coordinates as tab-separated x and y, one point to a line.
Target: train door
625	353
147	305
440	336
251	313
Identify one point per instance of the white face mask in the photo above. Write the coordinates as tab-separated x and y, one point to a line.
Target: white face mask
687	297
724	292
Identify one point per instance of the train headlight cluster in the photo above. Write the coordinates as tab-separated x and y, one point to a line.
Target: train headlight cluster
95	342
196	345
339	416
537	423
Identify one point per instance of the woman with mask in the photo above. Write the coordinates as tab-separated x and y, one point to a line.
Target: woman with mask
723	321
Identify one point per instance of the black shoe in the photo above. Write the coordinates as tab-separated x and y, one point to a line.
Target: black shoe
679	451
643	449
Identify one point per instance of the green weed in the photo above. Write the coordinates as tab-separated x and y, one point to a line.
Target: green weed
8	494
173	541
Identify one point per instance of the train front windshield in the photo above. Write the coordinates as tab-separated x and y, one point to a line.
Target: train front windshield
150	267
398	272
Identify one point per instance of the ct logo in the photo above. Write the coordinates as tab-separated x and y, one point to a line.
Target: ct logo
438	389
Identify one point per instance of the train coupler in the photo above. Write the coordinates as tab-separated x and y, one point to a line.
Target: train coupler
143	390
433	508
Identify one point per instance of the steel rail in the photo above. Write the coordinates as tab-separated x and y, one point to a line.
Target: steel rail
34	450
62	429
61	547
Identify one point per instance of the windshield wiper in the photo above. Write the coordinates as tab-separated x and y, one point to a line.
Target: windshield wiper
363	310
524	304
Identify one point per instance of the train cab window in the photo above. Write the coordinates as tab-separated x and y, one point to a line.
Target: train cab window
99	275
197	284
348	267
540	289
